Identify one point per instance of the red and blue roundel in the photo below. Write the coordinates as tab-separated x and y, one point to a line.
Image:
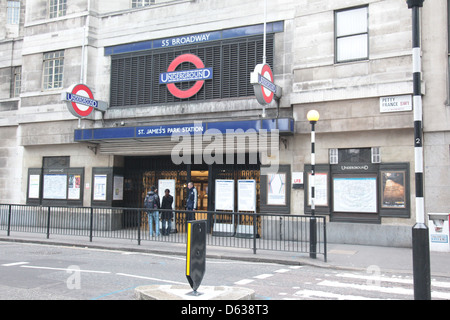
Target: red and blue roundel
198	75
80	100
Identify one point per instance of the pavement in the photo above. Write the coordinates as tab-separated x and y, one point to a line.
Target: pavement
339	256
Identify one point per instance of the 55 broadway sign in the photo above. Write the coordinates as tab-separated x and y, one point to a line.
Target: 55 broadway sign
198	75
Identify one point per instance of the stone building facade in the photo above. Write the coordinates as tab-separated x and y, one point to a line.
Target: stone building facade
349	59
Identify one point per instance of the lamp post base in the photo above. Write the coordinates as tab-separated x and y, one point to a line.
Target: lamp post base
421	262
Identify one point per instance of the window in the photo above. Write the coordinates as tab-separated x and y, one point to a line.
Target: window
362	155
13	12
16	82
376	155
53	70
334	156
352	38
57	8
56	162
141	3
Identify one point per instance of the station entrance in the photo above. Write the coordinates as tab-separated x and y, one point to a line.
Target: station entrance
141	173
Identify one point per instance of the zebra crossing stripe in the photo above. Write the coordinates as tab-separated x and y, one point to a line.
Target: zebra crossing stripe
329	295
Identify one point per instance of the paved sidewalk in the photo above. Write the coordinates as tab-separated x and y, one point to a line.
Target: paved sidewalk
340	256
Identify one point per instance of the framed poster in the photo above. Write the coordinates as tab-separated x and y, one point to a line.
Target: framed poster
393	189
100	187
276	189
118	188
74	191
247	195
355	193
34	185
55	186
224	195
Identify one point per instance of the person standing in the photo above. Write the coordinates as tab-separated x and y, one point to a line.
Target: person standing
152	202
191	202
166	216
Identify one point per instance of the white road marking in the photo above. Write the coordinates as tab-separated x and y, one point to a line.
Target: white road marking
244	281
66	269
263	276
434	283
14	264
322	294
282	270
148	278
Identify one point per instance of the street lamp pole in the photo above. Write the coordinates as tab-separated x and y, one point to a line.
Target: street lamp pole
313	116
420	233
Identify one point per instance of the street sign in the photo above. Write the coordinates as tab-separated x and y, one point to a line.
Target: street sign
196	253
80	101
263	84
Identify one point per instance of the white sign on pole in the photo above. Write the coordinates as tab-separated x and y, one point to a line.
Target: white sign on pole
396	103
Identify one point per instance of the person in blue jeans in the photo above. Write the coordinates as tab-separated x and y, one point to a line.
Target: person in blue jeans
152	202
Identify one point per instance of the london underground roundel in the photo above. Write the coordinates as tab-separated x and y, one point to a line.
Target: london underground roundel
198	75
80	100
263	83
267	94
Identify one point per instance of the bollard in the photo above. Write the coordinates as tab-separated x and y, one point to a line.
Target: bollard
196	254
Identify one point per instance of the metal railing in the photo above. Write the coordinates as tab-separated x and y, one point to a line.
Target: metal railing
257	231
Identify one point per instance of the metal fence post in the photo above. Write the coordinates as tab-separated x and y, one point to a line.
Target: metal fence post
9	220
139	213
254	233
48	222
324	239
91	222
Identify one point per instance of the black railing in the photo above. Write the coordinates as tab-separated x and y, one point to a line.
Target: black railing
255	231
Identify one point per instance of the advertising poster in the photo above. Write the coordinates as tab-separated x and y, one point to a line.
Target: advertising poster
276	189
74	186
393	189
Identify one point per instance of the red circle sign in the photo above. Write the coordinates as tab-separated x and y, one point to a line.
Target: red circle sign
266	72
198	63
80	109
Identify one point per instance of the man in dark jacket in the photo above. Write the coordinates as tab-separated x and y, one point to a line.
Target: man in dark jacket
166	216
191	202
152	202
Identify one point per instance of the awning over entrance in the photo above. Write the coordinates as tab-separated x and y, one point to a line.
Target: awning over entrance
159	139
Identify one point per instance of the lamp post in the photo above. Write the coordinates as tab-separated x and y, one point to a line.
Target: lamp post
420	244
313	116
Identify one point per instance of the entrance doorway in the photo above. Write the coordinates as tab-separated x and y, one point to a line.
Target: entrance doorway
141	173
